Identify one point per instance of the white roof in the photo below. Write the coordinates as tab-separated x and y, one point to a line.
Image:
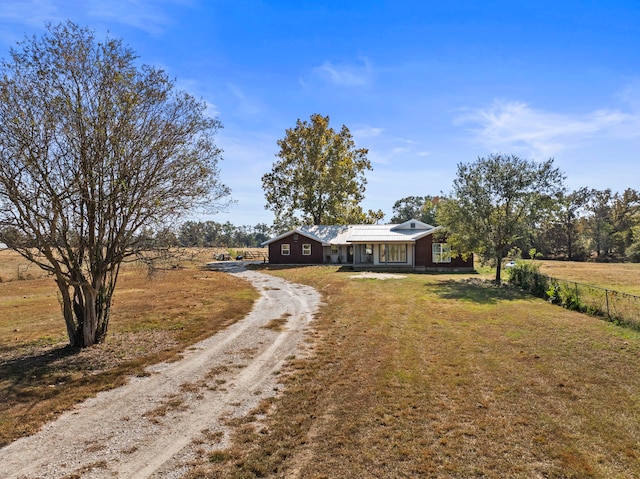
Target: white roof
328	234
407	232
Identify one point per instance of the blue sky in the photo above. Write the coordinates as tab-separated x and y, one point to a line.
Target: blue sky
424	85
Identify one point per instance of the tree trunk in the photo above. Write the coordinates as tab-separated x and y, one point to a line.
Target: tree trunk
90	320
67	312
86	313
498	269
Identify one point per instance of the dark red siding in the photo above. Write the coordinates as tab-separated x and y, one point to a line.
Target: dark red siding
295	246
424	256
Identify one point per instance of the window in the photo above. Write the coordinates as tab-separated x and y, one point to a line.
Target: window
285	249
335	249
306	249
393	253
441	253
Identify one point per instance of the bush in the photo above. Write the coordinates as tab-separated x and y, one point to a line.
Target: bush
527	276
564	295
633	252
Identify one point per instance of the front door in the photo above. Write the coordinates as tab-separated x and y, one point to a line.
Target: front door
366	253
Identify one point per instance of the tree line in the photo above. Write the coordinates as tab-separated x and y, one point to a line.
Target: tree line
582	225
210	234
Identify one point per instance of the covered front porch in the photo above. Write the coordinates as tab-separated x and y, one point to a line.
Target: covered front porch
383	255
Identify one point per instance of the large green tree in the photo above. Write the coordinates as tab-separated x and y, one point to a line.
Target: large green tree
423	208
561	234
497	200
95	151
319	177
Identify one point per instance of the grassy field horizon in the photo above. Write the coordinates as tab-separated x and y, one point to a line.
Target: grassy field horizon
422	375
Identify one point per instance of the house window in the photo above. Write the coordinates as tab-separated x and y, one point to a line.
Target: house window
335	249
441	253
393	253
306	249
285	249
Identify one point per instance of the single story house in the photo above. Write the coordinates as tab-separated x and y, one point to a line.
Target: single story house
407	246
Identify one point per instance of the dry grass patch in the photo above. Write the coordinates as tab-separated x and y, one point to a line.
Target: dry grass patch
153	319
623	277
430	376
14	267
278	324
173	403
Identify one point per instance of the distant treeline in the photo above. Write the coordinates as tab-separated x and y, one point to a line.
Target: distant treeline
590	224
211	233
585	224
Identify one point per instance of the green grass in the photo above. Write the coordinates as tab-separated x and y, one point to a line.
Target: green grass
446	376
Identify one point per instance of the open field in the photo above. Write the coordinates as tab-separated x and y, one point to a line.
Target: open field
445	376
624	277
14	267
153	319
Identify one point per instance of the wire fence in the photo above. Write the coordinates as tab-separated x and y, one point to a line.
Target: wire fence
615	306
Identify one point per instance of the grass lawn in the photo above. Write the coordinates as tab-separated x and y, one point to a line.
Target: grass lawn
153	319
445	376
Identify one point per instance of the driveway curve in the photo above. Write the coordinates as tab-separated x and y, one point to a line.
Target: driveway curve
151	427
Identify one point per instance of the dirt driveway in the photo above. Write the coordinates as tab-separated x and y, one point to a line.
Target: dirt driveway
151	427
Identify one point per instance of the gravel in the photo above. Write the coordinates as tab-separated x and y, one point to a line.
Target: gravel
155	425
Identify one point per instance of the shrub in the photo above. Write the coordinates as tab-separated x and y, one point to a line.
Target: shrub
570	299
527	276
633	252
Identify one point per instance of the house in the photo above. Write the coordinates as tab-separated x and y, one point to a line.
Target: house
407	246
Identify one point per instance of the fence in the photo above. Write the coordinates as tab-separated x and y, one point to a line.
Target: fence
253	254
615	306
256	254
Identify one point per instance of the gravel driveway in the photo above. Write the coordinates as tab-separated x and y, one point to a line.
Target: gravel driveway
151	427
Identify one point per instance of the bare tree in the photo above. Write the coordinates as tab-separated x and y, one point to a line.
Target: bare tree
92	149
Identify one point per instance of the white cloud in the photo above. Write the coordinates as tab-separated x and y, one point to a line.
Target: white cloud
245	105
385	148
509	126
366	131
345	74
33	13
151	16
211	109
630	94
